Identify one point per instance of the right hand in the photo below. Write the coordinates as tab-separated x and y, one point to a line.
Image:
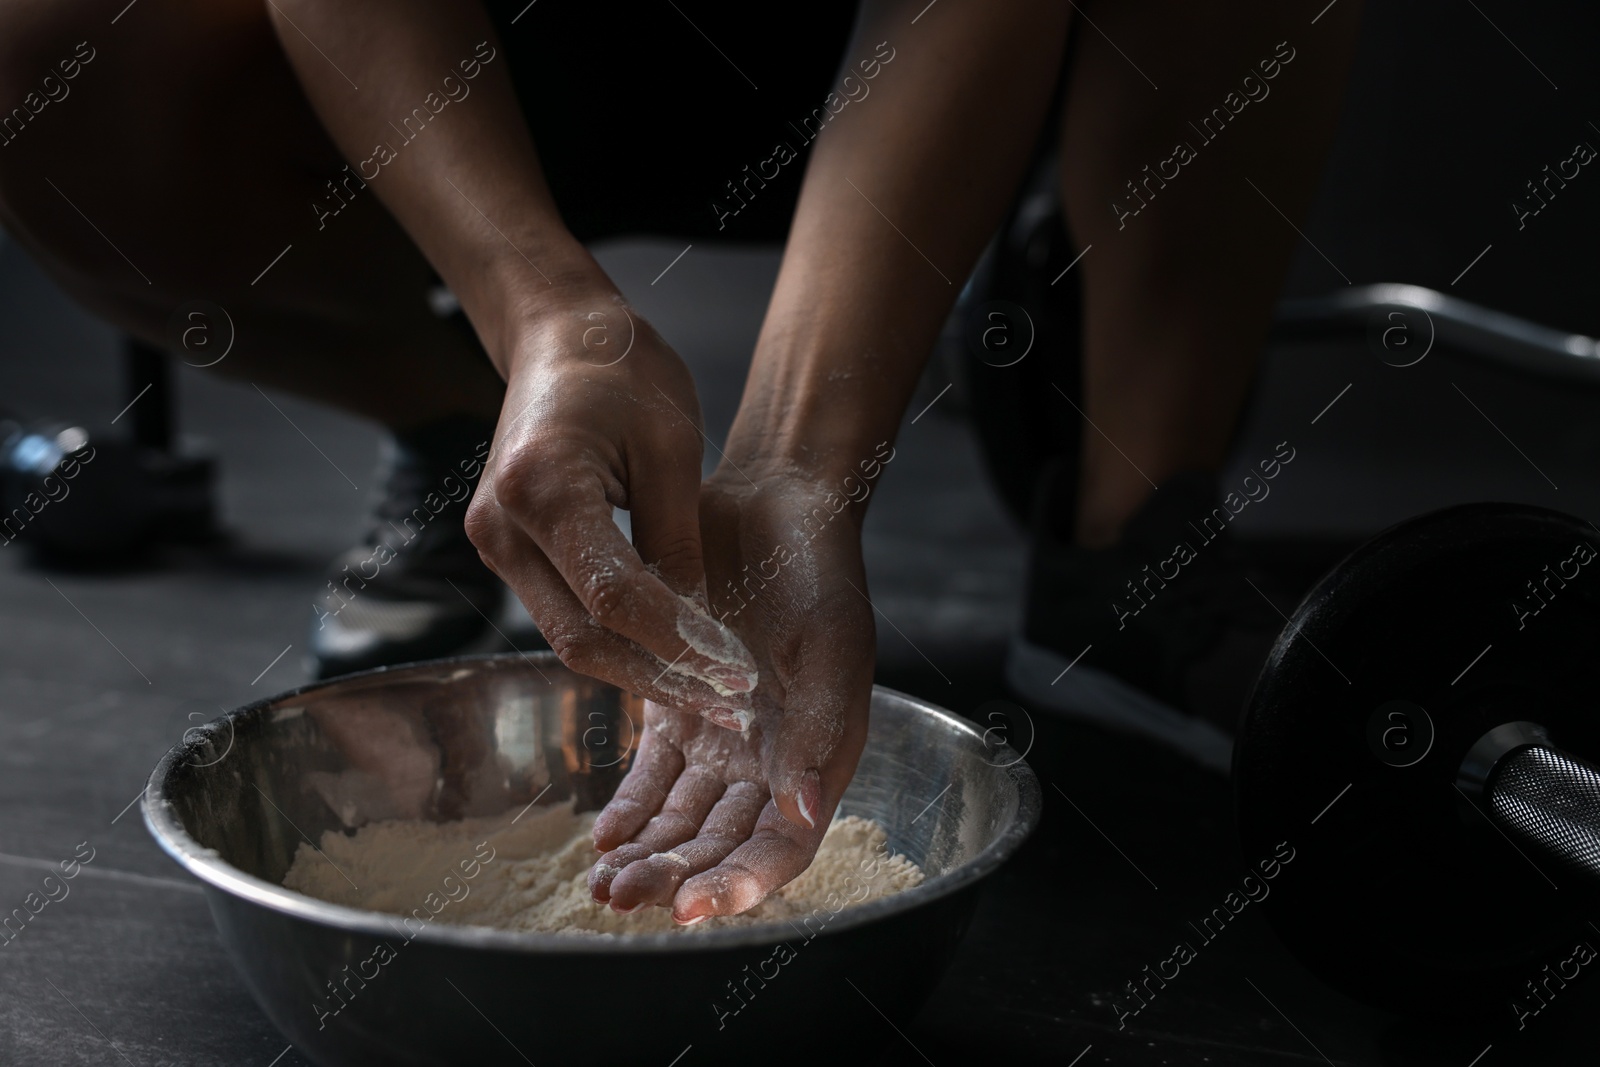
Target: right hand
601	413
711	823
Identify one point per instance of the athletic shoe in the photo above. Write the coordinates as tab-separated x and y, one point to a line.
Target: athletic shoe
1021	323
414	588
1162	634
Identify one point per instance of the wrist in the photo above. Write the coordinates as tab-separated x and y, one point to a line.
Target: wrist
813	417
810	450
824	493
512	299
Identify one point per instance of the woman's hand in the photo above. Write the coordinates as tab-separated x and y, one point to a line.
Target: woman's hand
711	821
601	413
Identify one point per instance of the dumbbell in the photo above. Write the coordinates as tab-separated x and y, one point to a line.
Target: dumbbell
1422	736
82	495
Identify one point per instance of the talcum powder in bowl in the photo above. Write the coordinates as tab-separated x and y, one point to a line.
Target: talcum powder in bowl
530	873
460	744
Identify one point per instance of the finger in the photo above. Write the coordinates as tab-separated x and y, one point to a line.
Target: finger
608	867
774	855
581	644
823	727
654	878
693	795
569	516
664	509
642	792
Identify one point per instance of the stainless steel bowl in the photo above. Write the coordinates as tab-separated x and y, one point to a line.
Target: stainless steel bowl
481	735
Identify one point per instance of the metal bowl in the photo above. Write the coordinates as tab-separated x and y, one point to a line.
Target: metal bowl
482	735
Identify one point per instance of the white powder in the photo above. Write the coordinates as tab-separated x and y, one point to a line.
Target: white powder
532	875
715	641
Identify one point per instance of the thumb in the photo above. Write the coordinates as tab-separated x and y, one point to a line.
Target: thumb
664	508
823	725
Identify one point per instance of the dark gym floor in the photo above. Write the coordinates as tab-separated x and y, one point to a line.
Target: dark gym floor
102	673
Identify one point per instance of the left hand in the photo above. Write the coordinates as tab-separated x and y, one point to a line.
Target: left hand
577	438
713	821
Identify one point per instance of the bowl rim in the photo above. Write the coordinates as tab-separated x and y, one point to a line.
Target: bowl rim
216	874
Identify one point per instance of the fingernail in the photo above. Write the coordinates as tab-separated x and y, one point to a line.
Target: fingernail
728	717
809	797
627	911
712	639
738	681
722	717
690	922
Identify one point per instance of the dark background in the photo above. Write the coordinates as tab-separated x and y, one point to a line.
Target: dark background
1445	122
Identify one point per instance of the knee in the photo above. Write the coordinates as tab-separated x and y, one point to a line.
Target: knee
67	82
44	61
43	52
110	116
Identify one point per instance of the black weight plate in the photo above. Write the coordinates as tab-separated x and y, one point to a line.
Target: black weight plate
1400	893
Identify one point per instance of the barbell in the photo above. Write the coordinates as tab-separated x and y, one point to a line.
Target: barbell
1422	733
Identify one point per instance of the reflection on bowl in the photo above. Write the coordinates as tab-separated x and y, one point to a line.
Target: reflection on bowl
448	739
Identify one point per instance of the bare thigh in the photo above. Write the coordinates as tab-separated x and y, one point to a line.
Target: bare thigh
179	162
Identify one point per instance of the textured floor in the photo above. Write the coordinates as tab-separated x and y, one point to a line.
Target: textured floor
100	674
104	672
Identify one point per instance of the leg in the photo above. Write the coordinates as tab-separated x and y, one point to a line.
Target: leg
1132	621
187	143
1187	263
180	161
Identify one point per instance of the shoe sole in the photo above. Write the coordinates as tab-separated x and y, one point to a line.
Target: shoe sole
486	640
1040	675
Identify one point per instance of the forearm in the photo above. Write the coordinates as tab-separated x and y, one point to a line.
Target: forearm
462	175
904	187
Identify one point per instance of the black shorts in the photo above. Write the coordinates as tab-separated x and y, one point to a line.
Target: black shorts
642	119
